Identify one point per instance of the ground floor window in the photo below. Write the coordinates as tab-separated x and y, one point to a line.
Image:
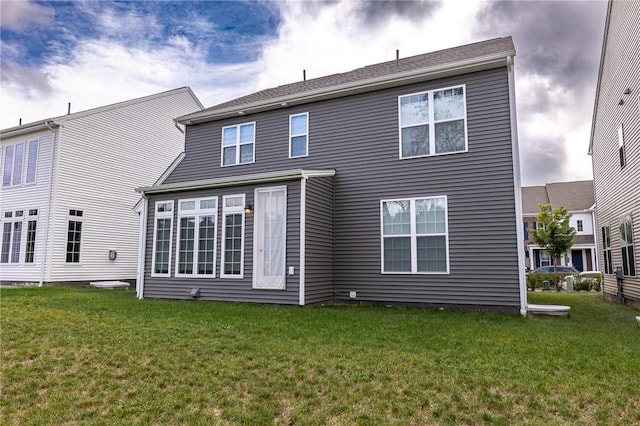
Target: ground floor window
545	258
162	234
606	250
196	239
18	243
233	236
414	235
626	246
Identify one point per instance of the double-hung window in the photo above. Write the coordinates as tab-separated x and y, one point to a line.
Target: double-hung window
299	135
162	234
233	236
414	235
433	122
606	250
196	240
74	236
13	162
238	143
621	152
626	246
580	225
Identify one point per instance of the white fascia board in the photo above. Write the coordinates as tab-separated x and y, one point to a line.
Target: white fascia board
37	126
236	180
360	86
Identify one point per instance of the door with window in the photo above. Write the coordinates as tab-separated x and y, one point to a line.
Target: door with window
270	218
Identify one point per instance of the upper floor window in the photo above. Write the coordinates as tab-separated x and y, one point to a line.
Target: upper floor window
196	251
433	122
621	152
626	246
299	135
414	235
238	144
579	225
13	163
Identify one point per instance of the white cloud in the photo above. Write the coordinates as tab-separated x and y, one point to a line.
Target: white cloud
23	15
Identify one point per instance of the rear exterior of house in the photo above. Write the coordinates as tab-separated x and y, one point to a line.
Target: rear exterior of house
394	183
67	193
615	151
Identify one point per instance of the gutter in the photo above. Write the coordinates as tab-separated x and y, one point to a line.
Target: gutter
141	248
54	137
517	186
358	86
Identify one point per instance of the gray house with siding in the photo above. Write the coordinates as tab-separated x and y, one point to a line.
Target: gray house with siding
396	183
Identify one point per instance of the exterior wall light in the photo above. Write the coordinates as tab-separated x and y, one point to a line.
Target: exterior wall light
248	209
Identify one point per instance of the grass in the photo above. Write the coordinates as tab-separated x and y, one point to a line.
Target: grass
91	356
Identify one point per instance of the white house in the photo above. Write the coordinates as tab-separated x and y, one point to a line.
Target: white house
67	193
577	198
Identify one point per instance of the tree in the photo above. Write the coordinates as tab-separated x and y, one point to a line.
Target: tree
553	233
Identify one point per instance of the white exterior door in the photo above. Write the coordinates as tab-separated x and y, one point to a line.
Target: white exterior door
269	237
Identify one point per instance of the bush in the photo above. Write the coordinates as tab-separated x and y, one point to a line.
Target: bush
587	283
536	280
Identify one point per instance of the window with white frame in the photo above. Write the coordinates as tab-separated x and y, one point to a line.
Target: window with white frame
626	246
299	135
621	152
238	144
545	258
162	234
11	236
606	250
74	236
30	247
579	225
233	236
433	122
13	163
196	241
414	235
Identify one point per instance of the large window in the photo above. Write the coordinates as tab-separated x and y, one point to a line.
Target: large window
299	135
11	237
74	236
433	122
32	224
233	236
162	234
238	144
415	235
626	246
196	240
13	163
606	250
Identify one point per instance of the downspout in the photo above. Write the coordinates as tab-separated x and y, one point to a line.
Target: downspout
142	247
49	202
303	218
517	185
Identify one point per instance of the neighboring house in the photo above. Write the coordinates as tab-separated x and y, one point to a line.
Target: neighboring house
615	151
577	198
67	193
393	183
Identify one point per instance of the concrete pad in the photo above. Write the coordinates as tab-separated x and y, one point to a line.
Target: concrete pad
109	284
557	310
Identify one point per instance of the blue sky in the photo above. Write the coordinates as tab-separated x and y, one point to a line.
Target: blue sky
94	53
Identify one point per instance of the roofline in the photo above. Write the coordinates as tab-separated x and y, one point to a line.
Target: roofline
597	98
42	124
359	86
236	180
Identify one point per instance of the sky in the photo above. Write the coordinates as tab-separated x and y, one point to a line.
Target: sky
94	53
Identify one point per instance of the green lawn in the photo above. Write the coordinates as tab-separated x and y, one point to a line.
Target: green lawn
91	356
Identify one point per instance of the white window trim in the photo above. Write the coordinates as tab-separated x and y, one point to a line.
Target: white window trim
26	166
238	145
413	237
74	218
196	213
621	149
162	215
626	244
30	218
12	182
291	135
432	122
230	211
12	220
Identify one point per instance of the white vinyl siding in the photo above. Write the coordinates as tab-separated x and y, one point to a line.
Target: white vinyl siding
162	236
299	135
196	239
414	235
433	122
233	236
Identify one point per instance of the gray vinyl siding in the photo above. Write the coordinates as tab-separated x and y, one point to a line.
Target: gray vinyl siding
226	289
319	241
358	137
617	190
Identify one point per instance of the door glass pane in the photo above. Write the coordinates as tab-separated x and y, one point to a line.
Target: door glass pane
270	213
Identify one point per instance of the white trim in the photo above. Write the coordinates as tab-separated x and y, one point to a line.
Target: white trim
28	154
256	237
515	154
162	215
306	134
74	218
238	144
196	213
303	219
413	236
142	232
431	122
232	211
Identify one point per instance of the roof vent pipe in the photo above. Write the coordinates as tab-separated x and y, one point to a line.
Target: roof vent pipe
69	108
397	57
20	121
304	75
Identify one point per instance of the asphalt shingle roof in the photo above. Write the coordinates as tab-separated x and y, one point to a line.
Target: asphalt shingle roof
574	196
